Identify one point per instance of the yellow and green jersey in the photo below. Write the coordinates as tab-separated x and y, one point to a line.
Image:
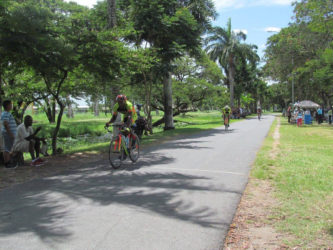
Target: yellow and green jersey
128	108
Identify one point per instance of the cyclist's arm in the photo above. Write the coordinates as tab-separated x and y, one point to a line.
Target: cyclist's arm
114	114
128	122
113	118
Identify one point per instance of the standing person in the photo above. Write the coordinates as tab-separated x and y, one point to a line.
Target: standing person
259	112
320	115
299	117
27	141
330	115
289	113
9	128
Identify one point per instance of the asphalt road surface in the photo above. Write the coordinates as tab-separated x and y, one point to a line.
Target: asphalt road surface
181	194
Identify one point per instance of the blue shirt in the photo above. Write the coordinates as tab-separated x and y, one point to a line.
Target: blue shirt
7	116
319	111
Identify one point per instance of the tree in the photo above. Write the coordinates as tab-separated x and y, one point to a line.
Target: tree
300	53
224	46
171	27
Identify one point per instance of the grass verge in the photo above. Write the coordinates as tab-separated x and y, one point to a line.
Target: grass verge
302	175
86	133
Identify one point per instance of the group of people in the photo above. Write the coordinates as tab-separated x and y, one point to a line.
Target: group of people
306	116
19	139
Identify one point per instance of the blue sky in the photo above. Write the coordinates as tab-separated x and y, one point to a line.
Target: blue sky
254	17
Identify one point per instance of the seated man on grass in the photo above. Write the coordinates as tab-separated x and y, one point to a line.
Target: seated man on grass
27	141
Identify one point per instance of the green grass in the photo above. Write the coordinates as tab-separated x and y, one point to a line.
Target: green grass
86	132
303	176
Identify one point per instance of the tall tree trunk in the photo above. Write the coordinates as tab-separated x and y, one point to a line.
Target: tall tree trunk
70	112
96	107
231	77
112	18
48	110
53	110
168	112
147	107
56	130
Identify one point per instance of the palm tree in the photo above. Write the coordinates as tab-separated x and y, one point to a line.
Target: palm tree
225	47
111	9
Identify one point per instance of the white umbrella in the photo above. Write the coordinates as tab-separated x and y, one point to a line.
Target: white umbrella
307	104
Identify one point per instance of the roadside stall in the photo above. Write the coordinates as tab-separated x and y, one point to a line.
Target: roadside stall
309	108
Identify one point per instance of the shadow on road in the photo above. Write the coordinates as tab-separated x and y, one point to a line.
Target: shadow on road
47	207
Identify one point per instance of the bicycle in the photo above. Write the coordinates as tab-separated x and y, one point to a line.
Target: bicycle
123	143
226	123
259	116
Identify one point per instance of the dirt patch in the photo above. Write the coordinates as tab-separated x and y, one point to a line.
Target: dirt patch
251	227
276	137
54	164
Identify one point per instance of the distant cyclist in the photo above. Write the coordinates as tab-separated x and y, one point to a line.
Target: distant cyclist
226	116
126	108
259	113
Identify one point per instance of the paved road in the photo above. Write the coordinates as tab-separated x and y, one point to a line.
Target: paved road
181	195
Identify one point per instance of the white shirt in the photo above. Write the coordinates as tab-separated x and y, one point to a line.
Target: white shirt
22	132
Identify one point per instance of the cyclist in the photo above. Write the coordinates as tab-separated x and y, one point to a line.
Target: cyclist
226	115
126	108
259	113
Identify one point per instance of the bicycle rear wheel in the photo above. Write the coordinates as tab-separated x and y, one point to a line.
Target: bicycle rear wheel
135	148
116	153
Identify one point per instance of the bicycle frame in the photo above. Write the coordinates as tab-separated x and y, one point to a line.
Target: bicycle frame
121	143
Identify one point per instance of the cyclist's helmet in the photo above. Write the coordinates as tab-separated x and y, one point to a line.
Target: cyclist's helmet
226	108
121	98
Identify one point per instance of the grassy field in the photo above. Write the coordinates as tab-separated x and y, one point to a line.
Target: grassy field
302	174
86	132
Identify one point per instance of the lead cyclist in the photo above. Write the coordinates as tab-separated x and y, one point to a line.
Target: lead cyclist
126	108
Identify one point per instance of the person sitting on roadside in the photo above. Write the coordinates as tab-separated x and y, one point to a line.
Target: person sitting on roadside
9	128
27	141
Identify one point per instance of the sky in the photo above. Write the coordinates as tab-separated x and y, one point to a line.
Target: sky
258	19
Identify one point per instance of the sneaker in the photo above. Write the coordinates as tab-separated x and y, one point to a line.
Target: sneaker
35	163
40	160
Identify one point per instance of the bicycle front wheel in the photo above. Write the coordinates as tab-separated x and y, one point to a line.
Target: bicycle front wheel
116	153
135	148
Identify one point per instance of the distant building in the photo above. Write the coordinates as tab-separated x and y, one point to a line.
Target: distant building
82	108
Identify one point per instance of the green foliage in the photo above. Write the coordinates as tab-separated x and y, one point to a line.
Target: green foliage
302	51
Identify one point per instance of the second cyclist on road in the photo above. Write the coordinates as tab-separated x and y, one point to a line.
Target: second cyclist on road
226	115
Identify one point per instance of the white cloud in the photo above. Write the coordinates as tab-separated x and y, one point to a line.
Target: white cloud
236	4
272	29
88	3
239	30
262	46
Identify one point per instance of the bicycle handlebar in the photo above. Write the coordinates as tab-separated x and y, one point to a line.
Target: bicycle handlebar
120	125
